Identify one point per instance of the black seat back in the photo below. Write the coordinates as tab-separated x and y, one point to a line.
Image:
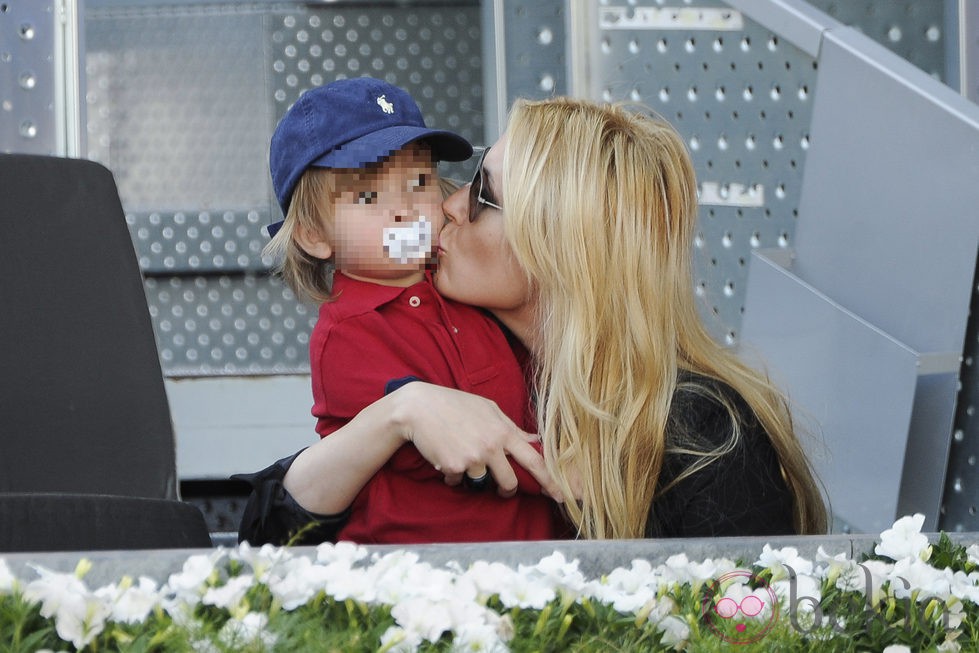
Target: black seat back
83	407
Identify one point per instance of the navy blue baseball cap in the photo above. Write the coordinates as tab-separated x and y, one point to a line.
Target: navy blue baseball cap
350	123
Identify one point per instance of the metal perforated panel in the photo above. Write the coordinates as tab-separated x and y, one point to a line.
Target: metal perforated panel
960	503
27	77
914	29
536	65
741	98
229	325
182	102
169	242
178	108
432	51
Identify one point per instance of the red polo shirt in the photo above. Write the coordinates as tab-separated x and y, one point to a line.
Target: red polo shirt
373	334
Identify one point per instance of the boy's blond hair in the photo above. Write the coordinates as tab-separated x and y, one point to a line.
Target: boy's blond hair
311	209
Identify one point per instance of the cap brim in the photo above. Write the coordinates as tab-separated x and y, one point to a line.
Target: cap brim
377	145
274	228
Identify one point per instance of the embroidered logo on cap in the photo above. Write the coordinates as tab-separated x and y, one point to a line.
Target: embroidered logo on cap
386	106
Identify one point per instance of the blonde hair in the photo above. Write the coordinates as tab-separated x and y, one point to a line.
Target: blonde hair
601	205
311	208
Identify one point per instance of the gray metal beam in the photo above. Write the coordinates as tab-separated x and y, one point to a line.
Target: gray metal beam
795	20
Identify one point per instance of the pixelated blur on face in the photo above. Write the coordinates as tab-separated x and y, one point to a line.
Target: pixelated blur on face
385	220
476	264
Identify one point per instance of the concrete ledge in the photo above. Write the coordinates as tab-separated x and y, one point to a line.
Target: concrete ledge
595	558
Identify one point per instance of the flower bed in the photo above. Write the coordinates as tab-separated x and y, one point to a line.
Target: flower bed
905	594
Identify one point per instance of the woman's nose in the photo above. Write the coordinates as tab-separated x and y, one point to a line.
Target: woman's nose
456	206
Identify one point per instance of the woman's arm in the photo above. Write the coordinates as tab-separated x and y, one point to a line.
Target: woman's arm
454	430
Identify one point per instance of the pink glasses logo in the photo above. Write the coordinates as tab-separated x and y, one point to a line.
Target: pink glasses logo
739	622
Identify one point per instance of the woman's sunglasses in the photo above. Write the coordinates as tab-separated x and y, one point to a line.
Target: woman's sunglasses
476	198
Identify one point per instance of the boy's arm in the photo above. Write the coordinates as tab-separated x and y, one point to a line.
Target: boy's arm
453	430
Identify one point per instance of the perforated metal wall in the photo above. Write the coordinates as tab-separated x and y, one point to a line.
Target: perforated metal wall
960	503
741	98
430	50
913	29
182	102
27	77
536	39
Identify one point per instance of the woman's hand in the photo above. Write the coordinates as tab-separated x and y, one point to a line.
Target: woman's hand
459	432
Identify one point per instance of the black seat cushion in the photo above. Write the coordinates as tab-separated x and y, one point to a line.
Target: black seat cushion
90	522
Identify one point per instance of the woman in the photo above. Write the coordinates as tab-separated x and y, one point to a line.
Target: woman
576	233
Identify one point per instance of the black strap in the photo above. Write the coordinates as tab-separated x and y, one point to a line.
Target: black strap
272	515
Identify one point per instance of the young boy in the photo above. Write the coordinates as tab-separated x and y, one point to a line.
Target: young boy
354	170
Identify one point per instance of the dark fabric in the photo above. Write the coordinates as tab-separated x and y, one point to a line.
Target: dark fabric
87	522
742	493
272	516
394	384
82	403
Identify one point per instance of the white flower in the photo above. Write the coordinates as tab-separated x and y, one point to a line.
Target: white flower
973	553
424	617
248	630
478	638
912	575
904	539
622	600
558	573
964	586
189	583
675	631
865	577
342	552
398	640
835	564
409	578
53	589
230	595
808	592
130	603
82	622
7	580
204	646
949	614
79	615
489	577
739	589
949	646
779	561
356	584
524	592
896	648
297	581
626	590
260	560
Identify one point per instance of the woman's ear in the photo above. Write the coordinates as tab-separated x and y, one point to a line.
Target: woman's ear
312	242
